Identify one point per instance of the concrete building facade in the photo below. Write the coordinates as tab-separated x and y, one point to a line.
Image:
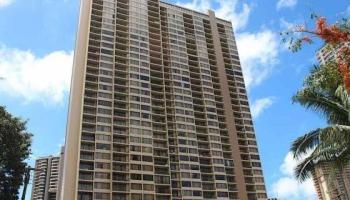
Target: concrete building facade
158	107
46	178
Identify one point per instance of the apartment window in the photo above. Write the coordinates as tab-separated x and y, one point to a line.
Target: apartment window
136	177
197	193
135	148
216	153
144	78
104	186
106	65
219	169
222	194
105	38
104	120
145	108
104	111
186	183
103	137
147	132
147	177
84	196
103	196
145	100
135	186
134	114
101	175
103	128
147	168
104	95
104	103
146	141
219	177
135	139
147	158
105	156
105	80
103	146
85	186
136	157
148	187
184	166
136	196
135	167
100	165
135	98
187	193
147	149
86	166
135	131
218	161
221	185
105	87
86	156
135	106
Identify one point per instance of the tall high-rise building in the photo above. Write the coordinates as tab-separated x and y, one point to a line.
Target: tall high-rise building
326	53
158	107
45	181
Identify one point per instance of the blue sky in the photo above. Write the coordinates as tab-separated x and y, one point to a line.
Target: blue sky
39	35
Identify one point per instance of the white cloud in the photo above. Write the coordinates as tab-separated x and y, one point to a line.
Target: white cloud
286	4
284	24
260	105
226	10
45	79
258	53
4	3
287	187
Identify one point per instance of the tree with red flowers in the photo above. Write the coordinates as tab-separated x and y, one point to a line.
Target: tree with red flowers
335	35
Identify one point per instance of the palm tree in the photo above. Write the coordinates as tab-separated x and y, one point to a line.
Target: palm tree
324	94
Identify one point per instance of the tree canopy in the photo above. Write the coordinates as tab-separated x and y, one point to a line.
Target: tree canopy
15	148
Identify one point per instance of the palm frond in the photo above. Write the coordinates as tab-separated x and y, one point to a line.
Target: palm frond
330	108
304	143
335	135
330	144
304	169
343	95
320	154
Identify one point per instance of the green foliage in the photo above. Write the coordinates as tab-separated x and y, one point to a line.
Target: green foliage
294	43
324	79
15	143
324	94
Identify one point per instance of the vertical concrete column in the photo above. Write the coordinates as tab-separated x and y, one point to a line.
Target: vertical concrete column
69	185
230	120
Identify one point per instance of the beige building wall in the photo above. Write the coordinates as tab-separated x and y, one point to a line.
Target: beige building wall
71	157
